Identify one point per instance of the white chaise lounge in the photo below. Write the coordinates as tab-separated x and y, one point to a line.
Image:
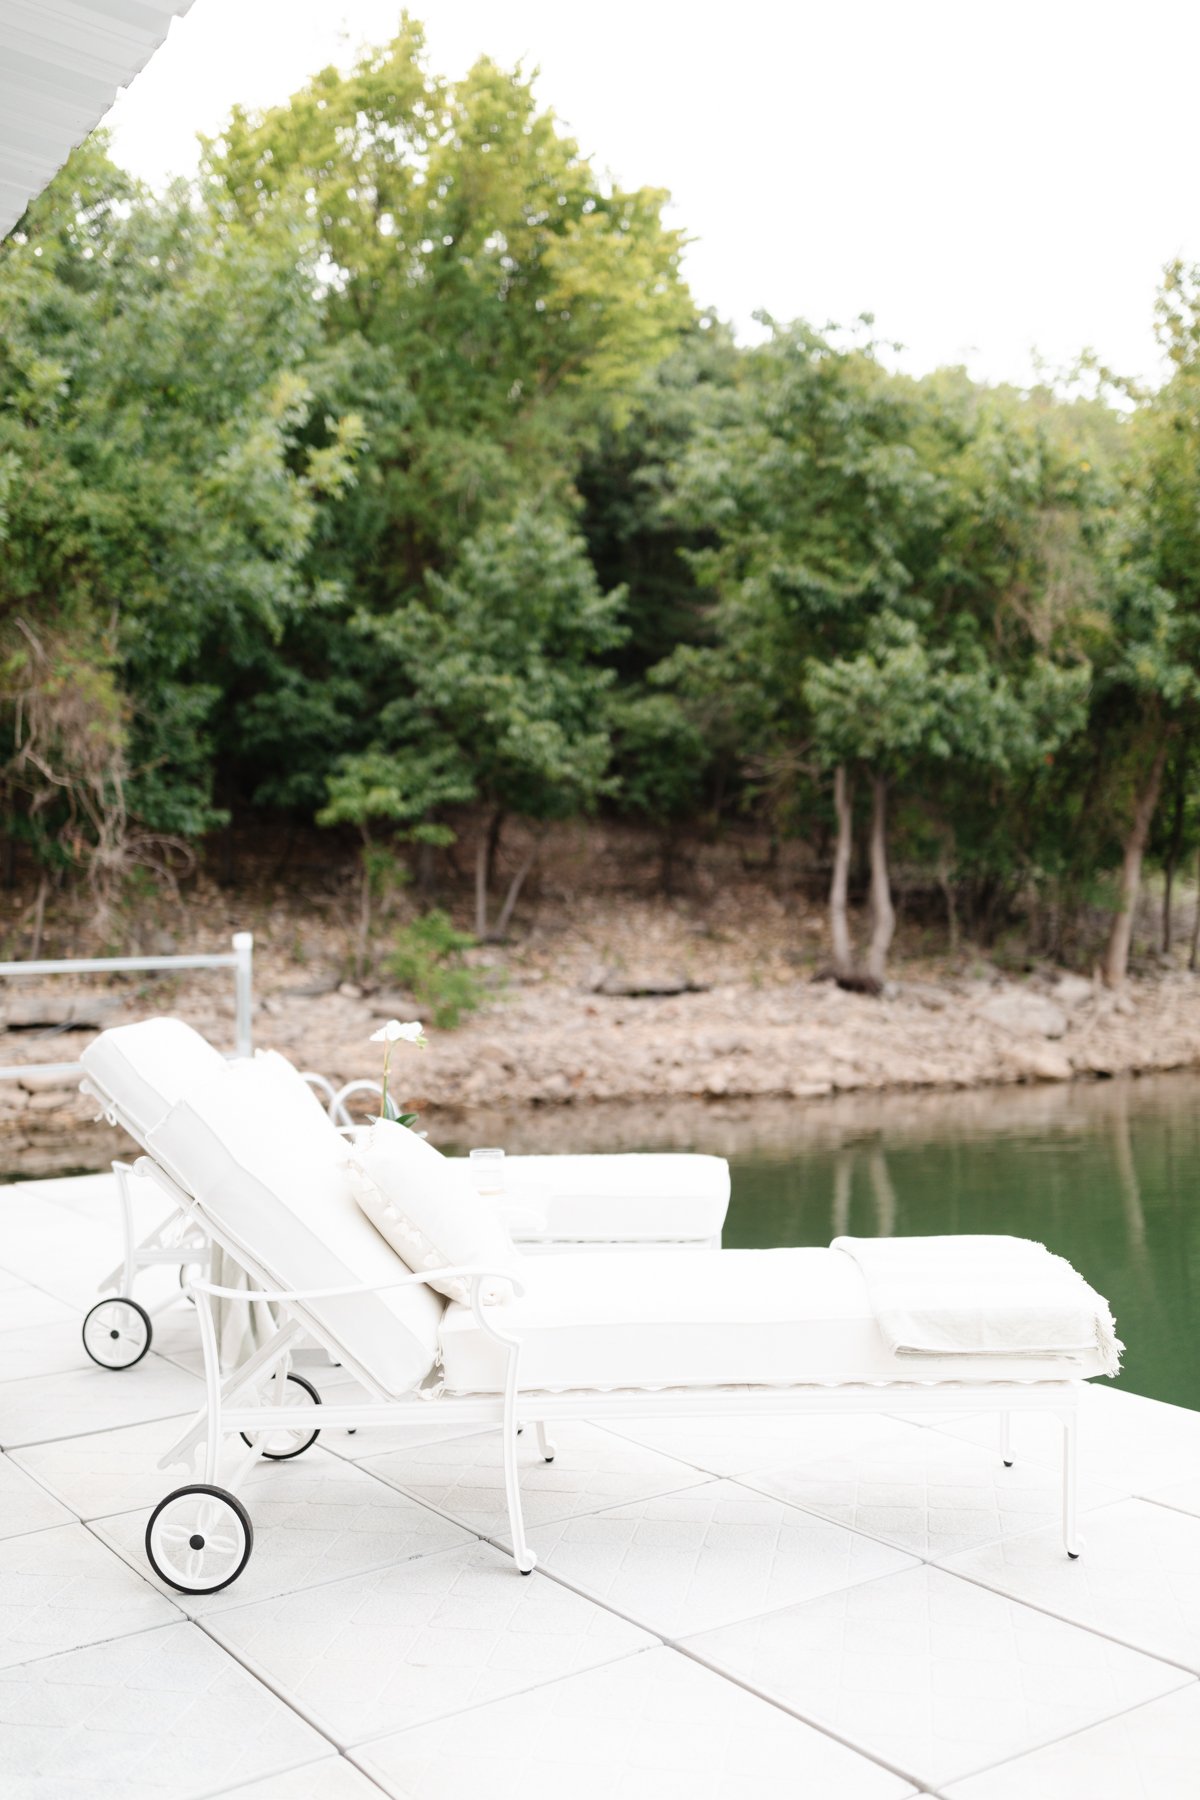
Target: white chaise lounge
258	1168
137	1073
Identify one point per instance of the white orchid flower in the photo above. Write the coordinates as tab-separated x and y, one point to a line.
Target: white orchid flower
387	1035
394	1032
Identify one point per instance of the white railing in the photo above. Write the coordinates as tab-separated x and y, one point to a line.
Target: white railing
240	959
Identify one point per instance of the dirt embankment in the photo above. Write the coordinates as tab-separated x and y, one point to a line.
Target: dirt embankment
625	1001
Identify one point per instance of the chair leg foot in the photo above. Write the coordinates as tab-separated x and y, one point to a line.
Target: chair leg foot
1006	1455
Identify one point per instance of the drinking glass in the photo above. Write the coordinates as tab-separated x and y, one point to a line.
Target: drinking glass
487	1173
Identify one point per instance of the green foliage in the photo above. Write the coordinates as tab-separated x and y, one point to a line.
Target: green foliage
427	959
504	694
158	503
388	471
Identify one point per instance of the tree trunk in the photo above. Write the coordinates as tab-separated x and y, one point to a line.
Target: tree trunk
1168	898
666	862
945	878
39	916
839	928
1116	957
485	859
883	915
364	906
481	886
500	932
426	872
1175	845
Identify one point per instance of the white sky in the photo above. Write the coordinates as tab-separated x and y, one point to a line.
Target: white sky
989	179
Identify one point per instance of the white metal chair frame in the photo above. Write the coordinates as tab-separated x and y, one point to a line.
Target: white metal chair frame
117	1331
233	1404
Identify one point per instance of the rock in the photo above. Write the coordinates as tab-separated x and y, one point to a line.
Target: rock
1072	990
48	1100
645	984
390	1003
73	1012
38	1081
810	1090
1038	1064
924	993
1024	1014
349	990
315	989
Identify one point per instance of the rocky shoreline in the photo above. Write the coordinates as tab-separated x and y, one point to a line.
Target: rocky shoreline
566	1031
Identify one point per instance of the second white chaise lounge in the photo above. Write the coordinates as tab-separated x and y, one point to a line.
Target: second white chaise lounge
257	1166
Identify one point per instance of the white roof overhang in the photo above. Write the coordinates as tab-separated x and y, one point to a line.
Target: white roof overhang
62	64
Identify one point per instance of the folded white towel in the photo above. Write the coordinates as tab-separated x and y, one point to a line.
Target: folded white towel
981	1296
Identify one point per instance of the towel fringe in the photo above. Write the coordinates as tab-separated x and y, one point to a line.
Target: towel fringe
1107	1342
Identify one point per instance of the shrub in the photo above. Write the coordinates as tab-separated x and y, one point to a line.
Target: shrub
427	959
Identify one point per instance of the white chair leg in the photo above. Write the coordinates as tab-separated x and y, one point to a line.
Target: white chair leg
122	1171
212	1384
510	1426
546	1448
1072	1542
1006	1455
523	1556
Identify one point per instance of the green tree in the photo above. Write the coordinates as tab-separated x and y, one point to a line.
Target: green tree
1148	682
878	544
503	693
158	504
807	478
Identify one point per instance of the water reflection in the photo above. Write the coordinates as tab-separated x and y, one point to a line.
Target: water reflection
883	1194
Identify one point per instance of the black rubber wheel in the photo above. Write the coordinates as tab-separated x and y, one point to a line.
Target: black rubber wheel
117	1333
297	1449
195	1529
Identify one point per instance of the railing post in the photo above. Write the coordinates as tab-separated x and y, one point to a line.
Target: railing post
243	981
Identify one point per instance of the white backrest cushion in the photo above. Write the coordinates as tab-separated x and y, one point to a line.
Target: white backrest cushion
624	1198
145	1068
287	1076
430	1217
270	1170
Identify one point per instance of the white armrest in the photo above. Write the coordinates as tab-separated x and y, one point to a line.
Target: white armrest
474	1275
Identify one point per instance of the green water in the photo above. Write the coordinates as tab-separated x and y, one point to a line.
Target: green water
1105	1173
1108	1177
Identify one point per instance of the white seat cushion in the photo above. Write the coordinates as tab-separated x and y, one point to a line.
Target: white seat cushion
669	1318
145	1068
257	1151
625	1199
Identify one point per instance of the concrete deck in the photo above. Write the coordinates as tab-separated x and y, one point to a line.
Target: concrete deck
864	1609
